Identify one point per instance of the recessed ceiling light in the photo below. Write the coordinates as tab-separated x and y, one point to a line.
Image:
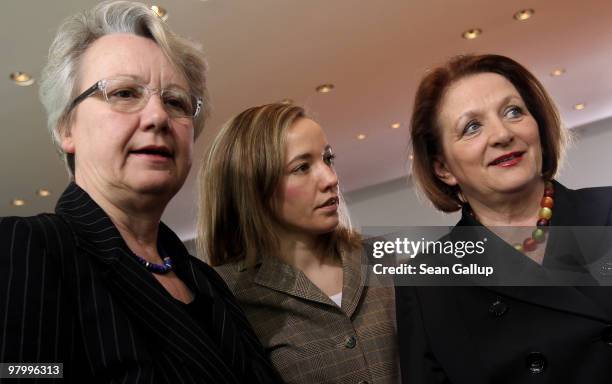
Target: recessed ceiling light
471	34
523	14
159	11
325	88
43	192
361	136
557	72
579	106
286	101
411	157
22	78
395	125
18	202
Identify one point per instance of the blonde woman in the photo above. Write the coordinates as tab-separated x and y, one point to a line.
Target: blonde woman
273	222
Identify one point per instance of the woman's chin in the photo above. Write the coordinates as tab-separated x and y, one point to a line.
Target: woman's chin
328	227
154	186
517	183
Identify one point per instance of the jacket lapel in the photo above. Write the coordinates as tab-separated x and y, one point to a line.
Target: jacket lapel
354	269
281	277
563	298
138	292
585	231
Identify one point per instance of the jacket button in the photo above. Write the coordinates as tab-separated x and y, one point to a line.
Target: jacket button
350	342
606	335
606	269
498	308
536	362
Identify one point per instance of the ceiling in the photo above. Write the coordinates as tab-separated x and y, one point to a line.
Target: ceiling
374	52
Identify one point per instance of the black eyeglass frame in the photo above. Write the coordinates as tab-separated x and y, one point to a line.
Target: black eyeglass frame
98	87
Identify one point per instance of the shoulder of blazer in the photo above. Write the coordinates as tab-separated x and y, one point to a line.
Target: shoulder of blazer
237	277
582	207
17	232
214	276
44	233
597	197
31	288
45	243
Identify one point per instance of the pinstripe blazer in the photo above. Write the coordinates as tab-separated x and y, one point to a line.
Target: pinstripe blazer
72	292
308	337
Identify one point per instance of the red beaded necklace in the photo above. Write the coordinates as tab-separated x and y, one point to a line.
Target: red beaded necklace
544	215
538	235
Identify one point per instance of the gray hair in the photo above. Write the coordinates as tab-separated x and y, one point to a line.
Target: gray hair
59	83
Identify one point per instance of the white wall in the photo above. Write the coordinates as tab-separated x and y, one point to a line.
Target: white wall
588	163
394	203
589	158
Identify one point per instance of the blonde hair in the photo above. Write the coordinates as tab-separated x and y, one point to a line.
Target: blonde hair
59	83
237	184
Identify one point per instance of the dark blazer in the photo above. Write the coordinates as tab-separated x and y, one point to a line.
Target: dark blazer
71	291
515	334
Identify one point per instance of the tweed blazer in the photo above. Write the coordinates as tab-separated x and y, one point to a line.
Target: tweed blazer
71	291
517	334
307	336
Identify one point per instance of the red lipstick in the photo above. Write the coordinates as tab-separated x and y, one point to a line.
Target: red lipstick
508	159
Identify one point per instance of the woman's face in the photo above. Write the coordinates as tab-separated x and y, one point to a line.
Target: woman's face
306	200
129	155
490	141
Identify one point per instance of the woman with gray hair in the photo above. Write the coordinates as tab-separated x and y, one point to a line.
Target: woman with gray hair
102	285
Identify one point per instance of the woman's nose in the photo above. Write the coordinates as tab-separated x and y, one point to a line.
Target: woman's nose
501	134
154	114
329	178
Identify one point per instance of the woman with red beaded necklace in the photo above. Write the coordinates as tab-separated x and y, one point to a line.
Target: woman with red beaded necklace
487	141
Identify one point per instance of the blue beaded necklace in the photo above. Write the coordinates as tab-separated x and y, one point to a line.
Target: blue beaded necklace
156	268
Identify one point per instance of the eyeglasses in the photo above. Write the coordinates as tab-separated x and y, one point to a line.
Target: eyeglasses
127	95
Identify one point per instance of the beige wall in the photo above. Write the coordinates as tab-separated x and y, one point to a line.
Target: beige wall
588	163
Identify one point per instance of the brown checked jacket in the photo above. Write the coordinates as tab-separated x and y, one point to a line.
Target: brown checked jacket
307	336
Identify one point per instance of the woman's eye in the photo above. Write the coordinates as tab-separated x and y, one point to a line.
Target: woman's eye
329	159
125	93
302	168
177	104
513	112
471	128
177	101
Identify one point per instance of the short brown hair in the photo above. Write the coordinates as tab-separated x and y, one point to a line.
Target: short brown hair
237	183
426	134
